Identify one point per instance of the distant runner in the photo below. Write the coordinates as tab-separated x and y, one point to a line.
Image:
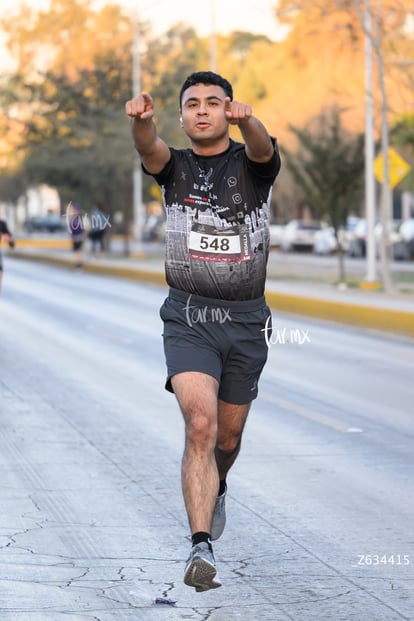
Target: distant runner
8	237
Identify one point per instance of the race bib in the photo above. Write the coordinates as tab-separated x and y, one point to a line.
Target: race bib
207	243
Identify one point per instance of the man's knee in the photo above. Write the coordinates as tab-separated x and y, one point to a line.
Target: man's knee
229	445
201	429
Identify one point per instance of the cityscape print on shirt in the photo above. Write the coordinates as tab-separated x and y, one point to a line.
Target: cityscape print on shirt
216	194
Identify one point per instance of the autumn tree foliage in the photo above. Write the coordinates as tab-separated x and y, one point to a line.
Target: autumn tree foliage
320	63
62	109
73	68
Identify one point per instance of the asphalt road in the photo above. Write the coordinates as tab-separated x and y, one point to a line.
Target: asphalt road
92	525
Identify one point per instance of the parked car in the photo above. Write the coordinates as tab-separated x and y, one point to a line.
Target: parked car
51	223
394	237
357	246
358	242
299	235
276	234
326	242
403	247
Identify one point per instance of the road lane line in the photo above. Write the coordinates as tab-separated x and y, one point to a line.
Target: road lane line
309	414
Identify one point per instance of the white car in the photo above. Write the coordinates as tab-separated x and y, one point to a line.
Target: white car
403	247
276	234
395	239
358	239
299	235
325	241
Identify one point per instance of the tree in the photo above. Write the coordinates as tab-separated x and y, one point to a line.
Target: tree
320	64
323	55
328	166
66	38
69	99
76	136
12	179
168	60
393	48
402	136
402	132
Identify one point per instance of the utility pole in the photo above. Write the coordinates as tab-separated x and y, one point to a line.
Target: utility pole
386	193
213	37
371	275
138	206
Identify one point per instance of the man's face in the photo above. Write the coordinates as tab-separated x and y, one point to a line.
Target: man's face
202	112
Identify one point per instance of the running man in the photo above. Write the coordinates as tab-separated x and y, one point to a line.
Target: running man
4	234
216	196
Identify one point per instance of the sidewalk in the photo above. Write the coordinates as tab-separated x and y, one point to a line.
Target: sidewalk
370	309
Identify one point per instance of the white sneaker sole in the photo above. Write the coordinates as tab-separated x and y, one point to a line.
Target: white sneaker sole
201	575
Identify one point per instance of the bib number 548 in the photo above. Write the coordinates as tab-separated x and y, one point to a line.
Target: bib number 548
222	244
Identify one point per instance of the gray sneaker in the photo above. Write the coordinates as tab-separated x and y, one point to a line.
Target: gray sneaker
219	517
200	571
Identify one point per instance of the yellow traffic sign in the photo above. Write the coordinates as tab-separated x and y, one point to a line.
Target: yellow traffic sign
398	167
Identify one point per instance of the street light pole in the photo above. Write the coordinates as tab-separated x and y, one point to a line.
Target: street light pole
371	276
138	207
213	37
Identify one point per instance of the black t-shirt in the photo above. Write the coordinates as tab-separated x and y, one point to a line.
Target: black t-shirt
217	210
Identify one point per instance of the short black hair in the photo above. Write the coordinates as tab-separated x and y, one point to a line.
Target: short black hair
206	77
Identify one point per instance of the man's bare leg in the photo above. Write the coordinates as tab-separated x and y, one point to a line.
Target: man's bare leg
231	421
196	394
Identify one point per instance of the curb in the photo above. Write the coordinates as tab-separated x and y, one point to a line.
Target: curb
62	244
383	319
129	273
120	271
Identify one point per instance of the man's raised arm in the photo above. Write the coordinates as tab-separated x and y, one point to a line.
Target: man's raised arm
259	147
152	149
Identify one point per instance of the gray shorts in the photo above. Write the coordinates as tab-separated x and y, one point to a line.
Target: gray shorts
224	339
